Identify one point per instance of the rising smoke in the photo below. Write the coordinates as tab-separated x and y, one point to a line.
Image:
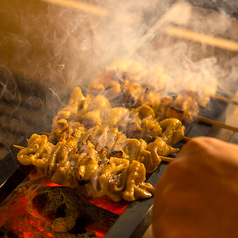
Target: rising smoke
60	47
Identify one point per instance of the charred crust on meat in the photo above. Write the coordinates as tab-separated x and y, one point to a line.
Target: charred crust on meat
176	109
116	153
83	182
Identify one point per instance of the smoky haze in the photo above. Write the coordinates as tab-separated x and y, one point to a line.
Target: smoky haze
59	47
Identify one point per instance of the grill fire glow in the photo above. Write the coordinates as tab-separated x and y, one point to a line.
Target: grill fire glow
25	225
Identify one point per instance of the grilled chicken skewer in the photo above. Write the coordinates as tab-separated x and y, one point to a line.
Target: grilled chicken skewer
81	147
82	150
184	106
98	158
100	146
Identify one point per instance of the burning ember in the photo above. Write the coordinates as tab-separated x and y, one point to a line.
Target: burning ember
40	208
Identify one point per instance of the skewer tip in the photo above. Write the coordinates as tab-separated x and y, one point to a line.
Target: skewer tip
19	147
148	188
166	159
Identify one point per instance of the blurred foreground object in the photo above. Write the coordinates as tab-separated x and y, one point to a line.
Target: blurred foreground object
198	192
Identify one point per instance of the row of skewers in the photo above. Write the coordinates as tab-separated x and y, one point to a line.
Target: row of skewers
82	150
107	139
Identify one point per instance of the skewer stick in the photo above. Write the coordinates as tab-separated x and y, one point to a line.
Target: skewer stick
82	6
223	99
148	188
19	147
202	38
215	123
166	159
185	138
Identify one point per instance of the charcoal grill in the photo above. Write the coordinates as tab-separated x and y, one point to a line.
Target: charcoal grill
34	105
135	220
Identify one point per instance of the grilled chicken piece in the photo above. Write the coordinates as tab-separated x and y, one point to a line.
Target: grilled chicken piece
108	139
37	153
136	175
118	179
102	137
143	125
83	110
137	150
46	156
120	82
184	107
75	102
147	97
148	130
105	82
59	126
66	210
160	147
88	164
116	116
160	107
131	92
92	118
173	130
96	111
78	169
99	102
62	126
66	167
134	126
147	154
